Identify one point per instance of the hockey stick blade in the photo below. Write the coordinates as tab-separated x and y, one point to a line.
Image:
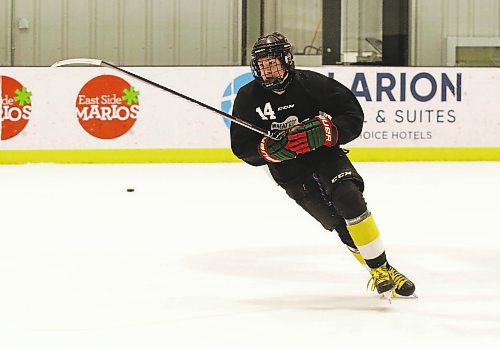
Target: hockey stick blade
98	62
77	61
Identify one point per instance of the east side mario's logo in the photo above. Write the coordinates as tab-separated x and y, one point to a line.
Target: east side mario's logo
16	107
107	107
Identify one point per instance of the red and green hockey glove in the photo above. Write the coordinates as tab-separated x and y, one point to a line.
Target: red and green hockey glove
312	134
273	150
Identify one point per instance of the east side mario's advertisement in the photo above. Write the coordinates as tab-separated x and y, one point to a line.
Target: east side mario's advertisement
101	108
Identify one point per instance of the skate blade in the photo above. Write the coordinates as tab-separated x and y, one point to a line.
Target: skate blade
387	296
395	295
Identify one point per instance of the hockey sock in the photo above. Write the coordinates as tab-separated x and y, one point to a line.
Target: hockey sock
346	238
359	258
366	236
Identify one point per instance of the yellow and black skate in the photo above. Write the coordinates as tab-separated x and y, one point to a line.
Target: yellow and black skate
381	281
403	285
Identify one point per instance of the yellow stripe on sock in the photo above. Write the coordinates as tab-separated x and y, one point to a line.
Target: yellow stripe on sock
364	232
359	258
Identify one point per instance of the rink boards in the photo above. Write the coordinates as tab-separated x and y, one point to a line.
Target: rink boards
100	115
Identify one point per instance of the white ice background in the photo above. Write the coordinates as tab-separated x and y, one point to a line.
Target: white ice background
217	256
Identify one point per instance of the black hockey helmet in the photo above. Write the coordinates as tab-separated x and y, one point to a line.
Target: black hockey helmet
273	45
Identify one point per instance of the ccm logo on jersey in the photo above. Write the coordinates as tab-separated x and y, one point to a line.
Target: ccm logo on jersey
341	175
290	106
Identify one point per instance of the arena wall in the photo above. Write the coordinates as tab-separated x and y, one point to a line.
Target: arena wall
100	115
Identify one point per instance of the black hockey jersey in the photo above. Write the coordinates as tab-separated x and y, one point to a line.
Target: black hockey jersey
307	95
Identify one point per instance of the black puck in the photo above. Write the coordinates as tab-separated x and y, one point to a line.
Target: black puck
130	190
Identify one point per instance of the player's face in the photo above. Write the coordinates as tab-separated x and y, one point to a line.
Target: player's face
270	68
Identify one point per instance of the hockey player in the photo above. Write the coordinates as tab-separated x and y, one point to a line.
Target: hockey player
315	115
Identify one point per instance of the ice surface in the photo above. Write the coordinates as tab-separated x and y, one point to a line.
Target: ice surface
216	256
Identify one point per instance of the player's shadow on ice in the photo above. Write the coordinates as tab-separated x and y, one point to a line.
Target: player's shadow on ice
319	267
314	264
321	303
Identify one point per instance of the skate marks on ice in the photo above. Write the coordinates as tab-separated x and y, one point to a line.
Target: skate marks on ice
288	263
457	287
445	279
311	278
324	303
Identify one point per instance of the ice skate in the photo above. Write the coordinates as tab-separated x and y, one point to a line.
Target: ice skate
403	286
381	281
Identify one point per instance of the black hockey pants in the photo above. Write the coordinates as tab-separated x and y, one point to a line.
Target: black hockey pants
333	193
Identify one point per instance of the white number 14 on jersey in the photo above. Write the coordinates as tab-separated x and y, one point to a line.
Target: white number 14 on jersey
268	113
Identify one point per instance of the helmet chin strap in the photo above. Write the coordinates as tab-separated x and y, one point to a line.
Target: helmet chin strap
280	90
285	81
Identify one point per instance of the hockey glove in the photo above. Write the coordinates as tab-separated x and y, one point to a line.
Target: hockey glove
275	150
312	134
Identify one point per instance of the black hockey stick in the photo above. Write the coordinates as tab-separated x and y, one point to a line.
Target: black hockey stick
98	62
